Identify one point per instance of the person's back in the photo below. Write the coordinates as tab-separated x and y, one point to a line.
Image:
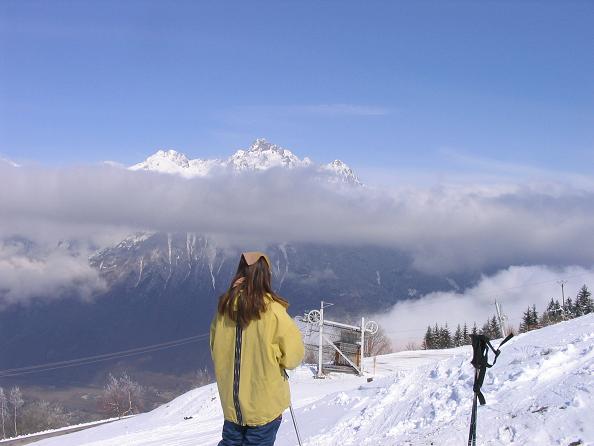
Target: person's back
252	341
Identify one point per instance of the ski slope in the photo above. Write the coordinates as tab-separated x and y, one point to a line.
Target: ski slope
540	392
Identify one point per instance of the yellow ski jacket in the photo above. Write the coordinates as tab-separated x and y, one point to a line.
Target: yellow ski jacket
249	364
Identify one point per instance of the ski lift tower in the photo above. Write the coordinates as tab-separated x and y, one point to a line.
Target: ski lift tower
316	317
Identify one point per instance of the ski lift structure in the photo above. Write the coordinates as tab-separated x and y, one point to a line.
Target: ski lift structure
348	356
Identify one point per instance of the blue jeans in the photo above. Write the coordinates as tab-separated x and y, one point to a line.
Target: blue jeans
237	435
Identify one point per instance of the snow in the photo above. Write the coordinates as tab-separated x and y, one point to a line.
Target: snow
342	172
62	429
540	392
261	155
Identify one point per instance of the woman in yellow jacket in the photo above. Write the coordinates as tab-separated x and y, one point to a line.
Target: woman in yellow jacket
252	341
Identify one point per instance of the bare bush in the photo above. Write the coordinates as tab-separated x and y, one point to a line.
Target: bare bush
42	415
311	354
15	398
122	396
4	414
377	343
201	378
411	345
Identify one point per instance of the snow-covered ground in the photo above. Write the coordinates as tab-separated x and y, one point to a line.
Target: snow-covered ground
540	392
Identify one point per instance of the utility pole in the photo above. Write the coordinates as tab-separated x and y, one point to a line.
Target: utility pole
362	344
321	342
562	283
500	317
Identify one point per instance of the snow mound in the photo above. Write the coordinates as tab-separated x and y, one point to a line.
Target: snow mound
540	392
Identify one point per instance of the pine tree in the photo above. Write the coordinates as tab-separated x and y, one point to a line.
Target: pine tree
474	329
526	324
427	340
436	337
446	337
534	317
584	302
458	337
495	329
577	308
465	335
569	309
552	314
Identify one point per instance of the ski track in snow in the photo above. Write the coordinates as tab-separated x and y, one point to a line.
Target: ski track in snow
538	393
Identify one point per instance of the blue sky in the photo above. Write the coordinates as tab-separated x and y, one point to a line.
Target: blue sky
415	85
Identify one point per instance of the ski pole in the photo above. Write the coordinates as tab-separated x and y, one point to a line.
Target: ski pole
293	413
295	424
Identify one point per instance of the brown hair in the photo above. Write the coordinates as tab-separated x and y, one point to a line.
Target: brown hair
250	284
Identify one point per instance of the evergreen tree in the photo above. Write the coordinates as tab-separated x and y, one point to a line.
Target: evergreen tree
583	301
458	337
494	328
569	309
577	308
552	314
529	320
465	335
526	325
474	329
534	317
447	337
437	337
428	339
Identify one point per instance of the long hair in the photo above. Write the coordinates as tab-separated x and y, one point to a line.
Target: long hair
250	284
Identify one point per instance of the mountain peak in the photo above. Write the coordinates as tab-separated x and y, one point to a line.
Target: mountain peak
261	155
171	155
343	172
167	161
261	145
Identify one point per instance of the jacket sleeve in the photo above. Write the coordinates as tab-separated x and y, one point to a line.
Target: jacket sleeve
288	338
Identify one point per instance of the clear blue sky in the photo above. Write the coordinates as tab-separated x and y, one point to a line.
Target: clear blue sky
377	84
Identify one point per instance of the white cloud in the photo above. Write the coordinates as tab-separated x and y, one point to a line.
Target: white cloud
27	273
9	162
515	288
444	228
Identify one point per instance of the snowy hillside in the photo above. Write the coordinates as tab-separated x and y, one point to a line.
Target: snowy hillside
540	392
261	155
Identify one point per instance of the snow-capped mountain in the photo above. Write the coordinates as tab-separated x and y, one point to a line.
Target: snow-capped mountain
261	155
166	286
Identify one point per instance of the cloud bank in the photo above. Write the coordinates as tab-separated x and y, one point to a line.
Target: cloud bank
444	228
515	288
28	272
